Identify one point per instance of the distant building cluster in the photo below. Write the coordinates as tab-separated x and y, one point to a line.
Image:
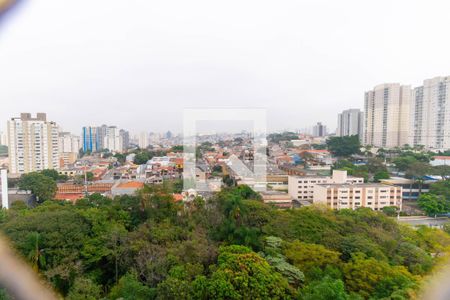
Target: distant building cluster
350	122
145	139
298	164
396	115
105	137
36	144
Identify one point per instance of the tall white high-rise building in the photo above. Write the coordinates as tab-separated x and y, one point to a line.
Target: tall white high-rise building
69	147
33	144
350	122
125	138
143	140
430	114
69	142
112	140
386	115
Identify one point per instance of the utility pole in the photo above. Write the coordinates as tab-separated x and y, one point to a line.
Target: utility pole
85	180
4	181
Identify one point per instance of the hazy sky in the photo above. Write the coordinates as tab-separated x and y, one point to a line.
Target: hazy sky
137	64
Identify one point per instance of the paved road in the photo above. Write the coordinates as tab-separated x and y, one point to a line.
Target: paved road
427	221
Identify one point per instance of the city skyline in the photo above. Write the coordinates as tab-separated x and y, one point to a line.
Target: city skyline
224	149
160	60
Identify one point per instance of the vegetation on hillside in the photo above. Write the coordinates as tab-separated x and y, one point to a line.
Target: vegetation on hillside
232	247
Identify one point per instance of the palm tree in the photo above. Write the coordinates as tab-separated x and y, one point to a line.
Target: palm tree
416	171
35	252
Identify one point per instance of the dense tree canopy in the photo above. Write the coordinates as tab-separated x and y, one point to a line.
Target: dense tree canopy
344	146
433	204
42	186
232	246
279	137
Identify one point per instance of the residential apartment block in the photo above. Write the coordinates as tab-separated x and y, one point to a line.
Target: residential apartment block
143	140
319	130
95	139
386	115
69	142
33	144
90	139
350	122
430	114
302	187
112	139
352	196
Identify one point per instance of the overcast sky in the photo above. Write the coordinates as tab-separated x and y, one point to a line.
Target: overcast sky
137	64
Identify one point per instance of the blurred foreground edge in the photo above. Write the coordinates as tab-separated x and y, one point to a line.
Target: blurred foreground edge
19	280
438	286
16	277
5	4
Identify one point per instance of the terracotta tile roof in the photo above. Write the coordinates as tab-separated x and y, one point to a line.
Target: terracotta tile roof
68	188
177	197
314	151
178	160
69	196
442	157
131	185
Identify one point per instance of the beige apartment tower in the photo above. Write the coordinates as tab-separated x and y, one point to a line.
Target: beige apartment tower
386	115
33	144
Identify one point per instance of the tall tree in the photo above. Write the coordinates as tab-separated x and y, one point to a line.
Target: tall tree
433	204
416	171
344	146
43	187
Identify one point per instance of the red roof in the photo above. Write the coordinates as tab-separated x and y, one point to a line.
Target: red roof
69	196
177	197
442	157
131	185
315	151
178	160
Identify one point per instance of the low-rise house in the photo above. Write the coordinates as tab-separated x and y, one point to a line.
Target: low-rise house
67	158
16	195
72	197
154	180
167	167
126	188
278	199
98	172
316	159
440	161
72	172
